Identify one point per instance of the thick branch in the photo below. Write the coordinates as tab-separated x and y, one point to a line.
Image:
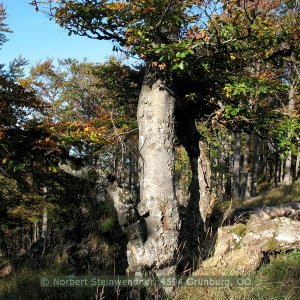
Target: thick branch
87	173
128	216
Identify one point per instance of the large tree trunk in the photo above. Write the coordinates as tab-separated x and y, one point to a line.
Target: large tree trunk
158	203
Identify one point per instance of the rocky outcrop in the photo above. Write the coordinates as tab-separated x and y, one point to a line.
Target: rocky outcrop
240	248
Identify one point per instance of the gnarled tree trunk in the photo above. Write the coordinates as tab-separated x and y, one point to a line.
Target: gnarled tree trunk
153	225
158	205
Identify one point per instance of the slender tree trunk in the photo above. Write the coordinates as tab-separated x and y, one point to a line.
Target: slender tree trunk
282	168
263	167
130	172
255	165
250	167
297	166
44	224
287	176
36	233
276	162
45	216
236	164
228	184
218	178
204	169
247	169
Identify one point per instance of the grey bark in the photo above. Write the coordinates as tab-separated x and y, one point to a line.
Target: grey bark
45	217
154	245
288	176
228	184
130	172
36	233
44	223
245	191
236	164
297	164
204	170
158	203
255	165
282	166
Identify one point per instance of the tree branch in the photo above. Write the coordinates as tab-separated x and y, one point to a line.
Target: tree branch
87	173
128	216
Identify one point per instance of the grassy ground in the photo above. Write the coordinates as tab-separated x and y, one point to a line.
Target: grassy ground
26	285
277	280
276	196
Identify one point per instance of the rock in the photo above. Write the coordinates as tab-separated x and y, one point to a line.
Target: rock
6	269
240	248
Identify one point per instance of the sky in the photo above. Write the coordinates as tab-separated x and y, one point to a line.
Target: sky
37	38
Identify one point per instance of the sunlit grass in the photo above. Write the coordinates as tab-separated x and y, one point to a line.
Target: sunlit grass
277	195
277	280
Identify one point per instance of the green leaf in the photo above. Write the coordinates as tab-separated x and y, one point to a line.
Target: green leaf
181	66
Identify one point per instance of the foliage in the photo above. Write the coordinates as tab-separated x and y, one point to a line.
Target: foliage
90	104
3	27
231	52
182	169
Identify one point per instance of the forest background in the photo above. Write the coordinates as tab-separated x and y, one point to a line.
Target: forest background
131	167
